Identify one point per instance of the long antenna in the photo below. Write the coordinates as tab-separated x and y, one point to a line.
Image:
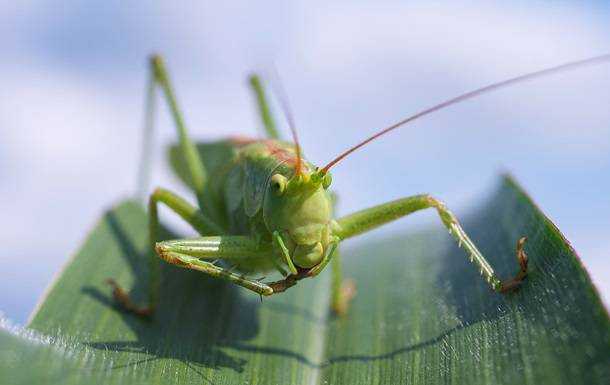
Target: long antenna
285	105
470	95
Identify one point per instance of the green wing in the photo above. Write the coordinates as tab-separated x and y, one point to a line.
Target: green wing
257	165
215	156
257	172
253	188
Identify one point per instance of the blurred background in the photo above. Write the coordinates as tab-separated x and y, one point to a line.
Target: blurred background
72	89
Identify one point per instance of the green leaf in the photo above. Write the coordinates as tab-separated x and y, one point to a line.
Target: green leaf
28	358
422	314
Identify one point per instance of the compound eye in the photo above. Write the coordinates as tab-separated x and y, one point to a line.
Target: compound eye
278	184
326	181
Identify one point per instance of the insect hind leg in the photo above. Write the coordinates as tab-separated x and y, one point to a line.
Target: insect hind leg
193	216
197	254
159	76
263	107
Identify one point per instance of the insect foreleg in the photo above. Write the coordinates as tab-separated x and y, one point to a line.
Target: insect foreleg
277	241
191	254
373	217
342	291
263	107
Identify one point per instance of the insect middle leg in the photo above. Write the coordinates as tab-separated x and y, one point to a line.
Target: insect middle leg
192	215
368	219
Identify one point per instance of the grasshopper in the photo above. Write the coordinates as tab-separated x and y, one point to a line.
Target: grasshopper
262	206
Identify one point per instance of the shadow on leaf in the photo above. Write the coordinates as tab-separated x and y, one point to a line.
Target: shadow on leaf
196	314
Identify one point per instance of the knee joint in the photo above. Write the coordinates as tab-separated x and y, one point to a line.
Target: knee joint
433	202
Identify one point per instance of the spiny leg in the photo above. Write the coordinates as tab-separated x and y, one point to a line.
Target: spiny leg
186	211
373	217
513	283
191	254
263	107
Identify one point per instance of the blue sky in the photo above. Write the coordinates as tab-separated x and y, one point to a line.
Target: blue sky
73	76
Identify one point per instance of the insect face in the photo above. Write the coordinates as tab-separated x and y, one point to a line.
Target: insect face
299	209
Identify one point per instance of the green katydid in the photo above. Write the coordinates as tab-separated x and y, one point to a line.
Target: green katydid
264	207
